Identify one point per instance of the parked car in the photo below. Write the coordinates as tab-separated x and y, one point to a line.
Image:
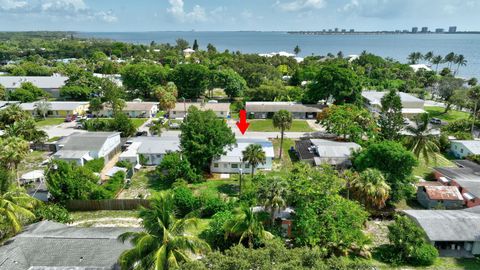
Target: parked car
435	121
70	118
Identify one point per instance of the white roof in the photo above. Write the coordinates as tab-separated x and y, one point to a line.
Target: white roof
131	151
334	149
114	170
472	145
44	82
55	105
235	153
157	145
413	111
36	174
375	97
417	67
188	50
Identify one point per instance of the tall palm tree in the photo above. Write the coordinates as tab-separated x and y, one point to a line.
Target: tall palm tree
420	140
474	95
414	57
247	225
437	60
273	195
450	58
282	120
371	187
15	206
254	155
164	243
460	61
12	151
428	57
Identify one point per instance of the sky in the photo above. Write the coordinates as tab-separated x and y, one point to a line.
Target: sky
234	15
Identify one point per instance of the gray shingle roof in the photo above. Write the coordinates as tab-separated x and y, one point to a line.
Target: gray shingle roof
448	225
216	107
158	145
45	82
466	177
46	245
374	97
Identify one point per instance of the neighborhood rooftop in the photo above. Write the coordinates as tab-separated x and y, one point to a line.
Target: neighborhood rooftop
235	153
45	82
51	245
449	225
180	106
157	145
447	193
375	97
55	105
473	146
88	141
138	106
261	106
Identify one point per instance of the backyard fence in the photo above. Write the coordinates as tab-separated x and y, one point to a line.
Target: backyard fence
114	204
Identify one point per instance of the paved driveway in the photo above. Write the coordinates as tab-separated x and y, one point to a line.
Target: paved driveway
61	130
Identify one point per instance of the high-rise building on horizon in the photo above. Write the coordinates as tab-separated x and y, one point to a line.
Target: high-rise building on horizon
439	30
414	29
452	29
424	29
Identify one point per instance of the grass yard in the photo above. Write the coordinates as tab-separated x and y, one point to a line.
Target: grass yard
143	184
138	122
423	169
452	115
287	156
50	122
440	264
228	187
267	126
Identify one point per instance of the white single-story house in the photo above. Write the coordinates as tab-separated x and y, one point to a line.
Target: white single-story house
266	109
188	52
85	146
464	148
51	84
412	106
455	233
134	109
222	110
58	108
152	149
231	161
417	67
318	151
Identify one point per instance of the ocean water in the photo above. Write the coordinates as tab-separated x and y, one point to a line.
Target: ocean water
396	46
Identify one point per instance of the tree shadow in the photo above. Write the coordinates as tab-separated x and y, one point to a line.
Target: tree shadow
229	189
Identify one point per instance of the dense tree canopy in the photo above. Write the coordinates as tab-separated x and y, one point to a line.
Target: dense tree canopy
191	79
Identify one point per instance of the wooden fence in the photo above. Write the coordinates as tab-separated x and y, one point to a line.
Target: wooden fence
114	204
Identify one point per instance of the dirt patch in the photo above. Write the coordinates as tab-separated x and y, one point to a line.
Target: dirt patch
378	231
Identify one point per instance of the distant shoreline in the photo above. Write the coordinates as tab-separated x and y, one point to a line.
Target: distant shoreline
378	33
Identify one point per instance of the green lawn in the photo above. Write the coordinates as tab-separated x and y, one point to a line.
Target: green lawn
440	264
138	122
50	122
228	187
451	115
424	169
267	126
287	157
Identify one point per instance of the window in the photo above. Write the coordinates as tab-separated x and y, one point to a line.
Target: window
247	166
215	165
461	150
234	166
174	112
221	113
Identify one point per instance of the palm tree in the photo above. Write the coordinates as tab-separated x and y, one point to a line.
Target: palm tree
421	141
16	205
42	107
474	95
273	195
414	57
12	151
246	225
460	61
370	185
164	242
282	120
428	57
254	155
437	60
450	58
156	128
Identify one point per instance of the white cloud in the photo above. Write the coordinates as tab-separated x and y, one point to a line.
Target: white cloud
177	10
375	8
54	9
298	5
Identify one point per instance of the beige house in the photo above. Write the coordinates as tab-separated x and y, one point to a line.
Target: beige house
59	108
134	109
222	110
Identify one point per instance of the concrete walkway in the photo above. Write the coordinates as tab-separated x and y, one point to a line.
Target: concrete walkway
110	164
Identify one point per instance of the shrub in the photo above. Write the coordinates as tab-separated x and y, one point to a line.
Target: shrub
110	189
215	234
425	255
212	205
184	201
53	212
95	165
